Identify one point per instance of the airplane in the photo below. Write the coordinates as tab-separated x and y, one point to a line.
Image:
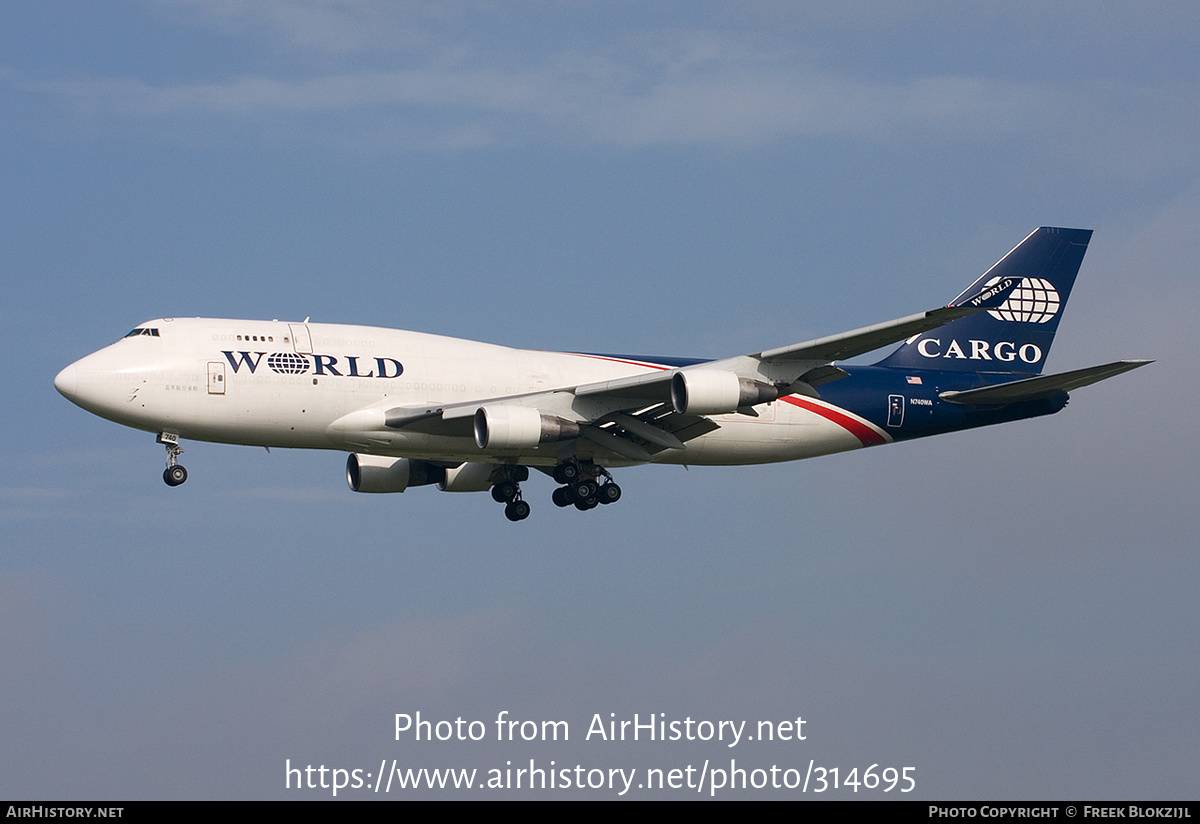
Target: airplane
415	409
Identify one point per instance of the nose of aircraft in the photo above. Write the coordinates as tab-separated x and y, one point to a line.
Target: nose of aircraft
65	382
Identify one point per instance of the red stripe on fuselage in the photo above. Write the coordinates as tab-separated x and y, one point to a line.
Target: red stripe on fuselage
620	360
865	434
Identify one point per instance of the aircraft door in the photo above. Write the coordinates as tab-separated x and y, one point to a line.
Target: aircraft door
895	410
216	378
301	340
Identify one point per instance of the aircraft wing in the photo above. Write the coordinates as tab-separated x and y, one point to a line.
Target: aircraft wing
1043	386
869	338
633	416
627	426
656	385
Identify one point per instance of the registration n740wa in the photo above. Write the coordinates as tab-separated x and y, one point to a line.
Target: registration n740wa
414	409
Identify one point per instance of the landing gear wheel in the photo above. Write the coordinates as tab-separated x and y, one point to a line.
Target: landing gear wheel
610	493
584	504
516	511
561	496
583	490
174	475
566	473
504	492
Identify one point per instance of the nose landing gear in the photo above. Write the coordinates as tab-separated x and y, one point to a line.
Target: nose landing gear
174	474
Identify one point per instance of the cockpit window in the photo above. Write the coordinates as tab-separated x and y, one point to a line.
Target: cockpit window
143	330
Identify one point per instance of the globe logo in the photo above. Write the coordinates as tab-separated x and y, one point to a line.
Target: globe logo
1034	301
287	363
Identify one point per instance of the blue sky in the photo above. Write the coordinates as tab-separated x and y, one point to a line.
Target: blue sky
1011	611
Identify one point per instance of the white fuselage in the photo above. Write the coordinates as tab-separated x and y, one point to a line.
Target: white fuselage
327	386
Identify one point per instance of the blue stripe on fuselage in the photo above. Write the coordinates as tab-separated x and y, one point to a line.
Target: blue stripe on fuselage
870	392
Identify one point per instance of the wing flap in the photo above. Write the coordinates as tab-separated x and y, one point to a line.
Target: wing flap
615	443
647	432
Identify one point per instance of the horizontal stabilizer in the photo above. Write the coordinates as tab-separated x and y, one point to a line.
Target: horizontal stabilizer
1043	386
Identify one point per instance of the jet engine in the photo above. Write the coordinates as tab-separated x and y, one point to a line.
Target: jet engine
377	473
504	426
714	392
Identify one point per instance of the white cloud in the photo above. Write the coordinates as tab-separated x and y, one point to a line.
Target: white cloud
744	106
320	26
415	75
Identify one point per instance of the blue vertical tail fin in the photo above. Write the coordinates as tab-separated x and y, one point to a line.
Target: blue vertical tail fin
1016	336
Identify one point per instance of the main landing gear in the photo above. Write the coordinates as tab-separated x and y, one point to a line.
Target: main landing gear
583	487
506	489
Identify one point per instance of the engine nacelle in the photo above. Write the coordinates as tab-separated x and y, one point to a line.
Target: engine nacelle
715	392
378	473
468	477
505	426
